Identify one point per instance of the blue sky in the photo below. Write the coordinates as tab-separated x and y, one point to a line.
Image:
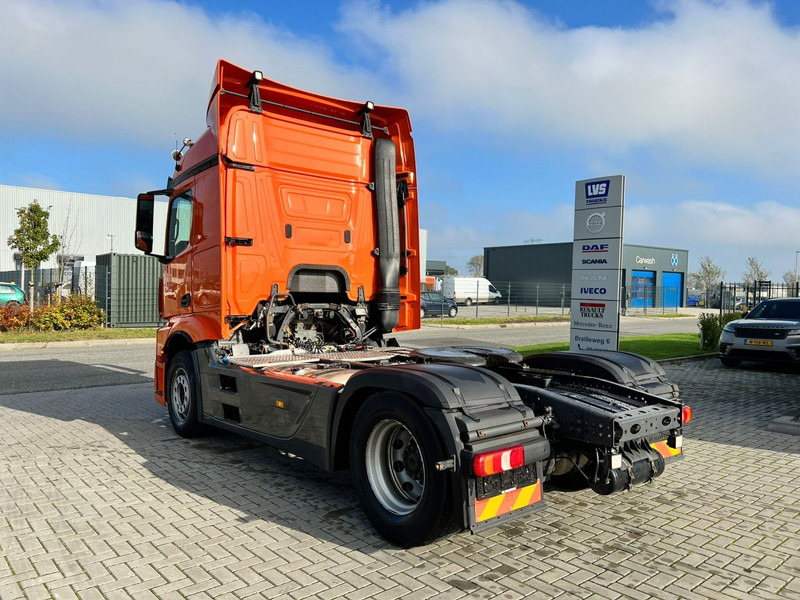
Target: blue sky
697	103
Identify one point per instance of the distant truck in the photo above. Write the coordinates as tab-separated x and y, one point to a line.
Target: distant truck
470	290
291	254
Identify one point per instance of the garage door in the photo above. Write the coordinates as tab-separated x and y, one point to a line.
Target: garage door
671	287
643	289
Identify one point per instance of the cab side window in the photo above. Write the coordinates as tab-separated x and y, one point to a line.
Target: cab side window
179	227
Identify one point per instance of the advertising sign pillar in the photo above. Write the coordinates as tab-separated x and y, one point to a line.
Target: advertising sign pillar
596	263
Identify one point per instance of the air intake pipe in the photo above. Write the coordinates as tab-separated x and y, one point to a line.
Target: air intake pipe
388	300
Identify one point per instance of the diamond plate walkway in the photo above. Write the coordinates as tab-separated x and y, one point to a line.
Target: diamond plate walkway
100	499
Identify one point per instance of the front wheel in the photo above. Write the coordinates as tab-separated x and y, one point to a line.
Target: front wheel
182	395
422	313
392	453
452	312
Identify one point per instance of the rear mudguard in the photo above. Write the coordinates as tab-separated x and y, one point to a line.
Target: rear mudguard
474	410
626	368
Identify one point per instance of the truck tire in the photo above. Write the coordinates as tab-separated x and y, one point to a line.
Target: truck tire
182	396
392	454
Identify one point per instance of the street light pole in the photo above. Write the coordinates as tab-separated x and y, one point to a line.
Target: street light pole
112	236
795	268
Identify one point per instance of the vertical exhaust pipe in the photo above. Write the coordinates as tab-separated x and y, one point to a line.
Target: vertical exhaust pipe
388	300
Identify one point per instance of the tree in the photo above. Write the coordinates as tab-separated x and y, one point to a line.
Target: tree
33	240
788	278
475	265
69	239
708	276
450	271
755	272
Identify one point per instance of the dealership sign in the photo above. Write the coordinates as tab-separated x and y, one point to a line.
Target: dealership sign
596	263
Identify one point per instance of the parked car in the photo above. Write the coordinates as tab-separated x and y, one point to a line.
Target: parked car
769	332
692	300
11	295
434	304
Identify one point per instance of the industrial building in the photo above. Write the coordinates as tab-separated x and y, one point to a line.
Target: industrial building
87	225
652	277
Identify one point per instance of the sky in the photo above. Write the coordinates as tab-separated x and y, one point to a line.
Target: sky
696	102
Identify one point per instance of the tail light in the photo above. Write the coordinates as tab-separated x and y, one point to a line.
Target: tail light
686	414
497	461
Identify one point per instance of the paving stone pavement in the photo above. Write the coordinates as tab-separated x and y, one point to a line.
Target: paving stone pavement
100	499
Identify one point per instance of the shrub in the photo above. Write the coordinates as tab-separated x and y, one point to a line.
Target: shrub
77	312
14	318
711	325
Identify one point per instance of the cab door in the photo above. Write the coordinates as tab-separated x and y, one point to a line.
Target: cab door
177	283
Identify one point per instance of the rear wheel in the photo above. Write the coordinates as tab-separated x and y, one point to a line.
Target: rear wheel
422	313
13	304
182	395
392	454
730	362
468	302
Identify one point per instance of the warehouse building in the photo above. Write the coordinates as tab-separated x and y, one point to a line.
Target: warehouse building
87	225
652	277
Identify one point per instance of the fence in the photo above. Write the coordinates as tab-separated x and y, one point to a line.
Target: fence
549	298
730	297
124	286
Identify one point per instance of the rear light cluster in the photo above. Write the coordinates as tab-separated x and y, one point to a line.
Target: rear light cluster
497	461
686	414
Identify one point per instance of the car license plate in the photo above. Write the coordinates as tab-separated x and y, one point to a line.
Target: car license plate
758	342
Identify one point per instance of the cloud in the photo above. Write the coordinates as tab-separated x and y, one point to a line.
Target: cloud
712	82
139	71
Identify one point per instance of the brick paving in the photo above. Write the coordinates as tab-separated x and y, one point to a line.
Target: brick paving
100	499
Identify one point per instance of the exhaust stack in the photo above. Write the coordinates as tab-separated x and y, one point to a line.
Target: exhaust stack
388	300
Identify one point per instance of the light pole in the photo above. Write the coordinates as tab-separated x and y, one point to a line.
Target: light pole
112	236
796	252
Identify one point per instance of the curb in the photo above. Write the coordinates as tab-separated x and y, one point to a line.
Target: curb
77	343
493	325
680	359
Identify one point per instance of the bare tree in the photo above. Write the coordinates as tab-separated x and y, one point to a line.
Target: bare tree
475	265
755	272
788	278
70	240
707	276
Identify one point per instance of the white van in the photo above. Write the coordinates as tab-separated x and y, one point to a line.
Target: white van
467	290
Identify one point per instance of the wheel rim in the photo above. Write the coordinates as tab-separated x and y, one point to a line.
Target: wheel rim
181	395
395	467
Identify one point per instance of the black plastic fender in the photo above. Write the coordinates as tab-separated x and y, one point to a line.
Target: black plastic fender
458	400
626	368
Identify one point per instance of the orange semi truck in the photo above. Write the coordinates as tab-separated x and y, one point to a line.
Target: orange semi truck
291	253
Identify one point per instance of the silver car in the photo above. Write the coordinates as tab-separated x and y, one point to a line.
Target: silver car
769	332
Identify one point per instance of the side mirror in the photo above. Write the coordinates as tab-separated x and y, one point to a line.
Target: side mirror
144	223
